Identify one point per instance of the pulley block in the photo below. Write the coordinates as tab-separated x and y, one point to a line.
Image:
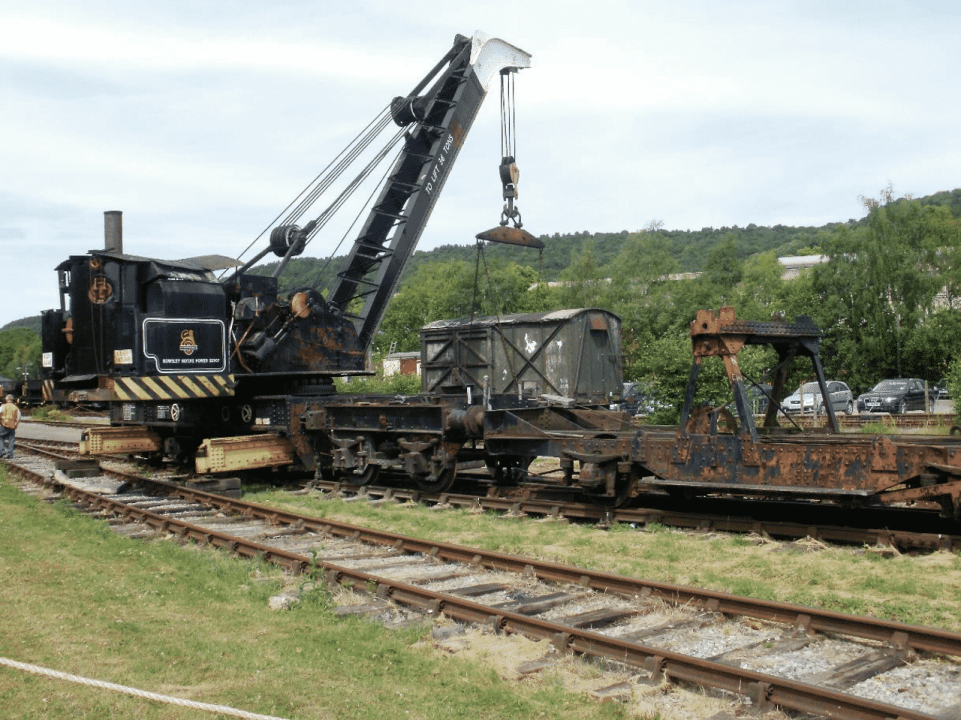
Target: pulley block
285	237
407	110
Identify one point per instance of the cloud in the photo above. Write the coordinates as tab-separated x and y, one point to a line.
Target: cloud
202	121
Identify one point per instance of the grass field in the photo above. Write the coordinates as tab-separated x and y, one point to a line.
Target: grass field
195	624
175	620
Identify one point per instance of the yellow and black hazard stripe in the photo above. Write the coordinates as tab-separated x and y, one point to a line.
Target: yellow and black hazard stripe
173	387
47	391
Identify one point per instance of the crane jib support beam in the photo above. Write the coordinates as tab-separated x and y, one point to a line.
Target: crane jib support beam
418	176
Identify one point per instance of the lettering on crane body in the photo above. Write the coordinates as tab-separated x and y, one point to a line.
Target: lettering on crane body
439	165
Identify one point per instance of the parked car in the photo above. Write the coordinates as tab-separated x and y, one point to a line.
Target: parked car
939	391
637	400
894	396
807	398
632	398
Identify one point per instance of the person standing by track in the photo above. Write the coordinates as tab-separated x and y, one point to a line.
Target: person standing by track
9	421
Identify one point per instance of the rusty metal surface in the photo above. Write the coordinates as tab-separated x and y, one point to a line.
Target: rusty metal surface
725	322
112	440
247	452
510	236
816	464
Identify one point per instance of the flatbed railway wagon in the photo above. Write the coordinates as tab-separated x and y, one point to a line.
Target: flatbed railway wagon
717	451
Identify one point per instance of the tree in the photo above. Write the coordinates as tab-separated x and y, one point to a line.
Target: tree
724	267
640	284
929	351
762	291
582	284
19	353
457	289
880	286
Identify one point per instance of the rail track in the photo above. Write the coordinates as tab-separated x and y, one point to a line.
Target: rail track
768	653
890	528
904	530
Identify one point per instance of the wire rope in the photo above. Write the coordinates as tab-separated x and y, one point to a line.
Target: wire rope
330	257
222	709
321	187
508	116
351	188
364	137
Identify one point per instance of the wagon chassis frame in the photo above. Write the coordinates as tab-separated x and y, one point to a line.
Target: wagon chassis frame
715	451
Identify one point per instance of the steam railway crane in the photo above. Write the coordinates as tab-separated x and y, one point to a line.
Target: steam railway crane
182	356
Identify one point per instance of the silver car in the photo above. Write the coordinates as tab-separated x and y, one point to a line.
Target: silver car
807	398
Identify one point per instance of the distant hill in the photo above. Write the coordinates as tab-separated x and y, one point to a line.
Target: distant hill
951	198
689	247
31	322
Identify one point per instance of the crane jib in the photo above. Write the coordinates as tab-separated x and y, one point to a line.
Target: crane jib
444	160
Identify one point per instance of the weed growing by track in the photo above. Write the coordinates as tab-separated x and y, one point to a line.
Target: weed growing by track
195	624
50	412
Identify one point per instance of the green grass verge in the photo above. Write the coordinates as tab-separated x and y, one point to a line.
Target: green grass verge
195	624
50	412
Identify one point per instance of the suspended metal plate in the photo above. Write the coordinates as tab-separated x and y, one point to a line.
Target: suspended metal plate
510	236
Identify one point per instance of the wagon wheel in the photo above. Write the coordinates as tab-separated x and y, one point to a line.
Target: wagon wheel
508	469
366	474
358	479
439	480
623	487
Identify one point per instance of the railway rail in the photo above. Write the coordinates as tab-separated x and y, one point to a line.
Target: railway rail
732	518
890	528
704	641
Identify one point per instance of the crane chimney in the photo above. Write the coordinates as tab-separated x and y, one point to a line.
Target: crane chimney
113	231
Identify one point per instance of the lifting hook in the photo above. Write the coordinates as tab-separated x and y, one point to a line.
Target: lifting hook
510	174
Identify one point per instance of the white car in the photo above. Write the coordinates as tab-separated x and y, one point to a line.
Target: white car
807	398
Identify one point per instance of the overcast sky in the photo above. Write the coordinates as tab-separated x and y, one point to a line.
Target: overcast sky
201	121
